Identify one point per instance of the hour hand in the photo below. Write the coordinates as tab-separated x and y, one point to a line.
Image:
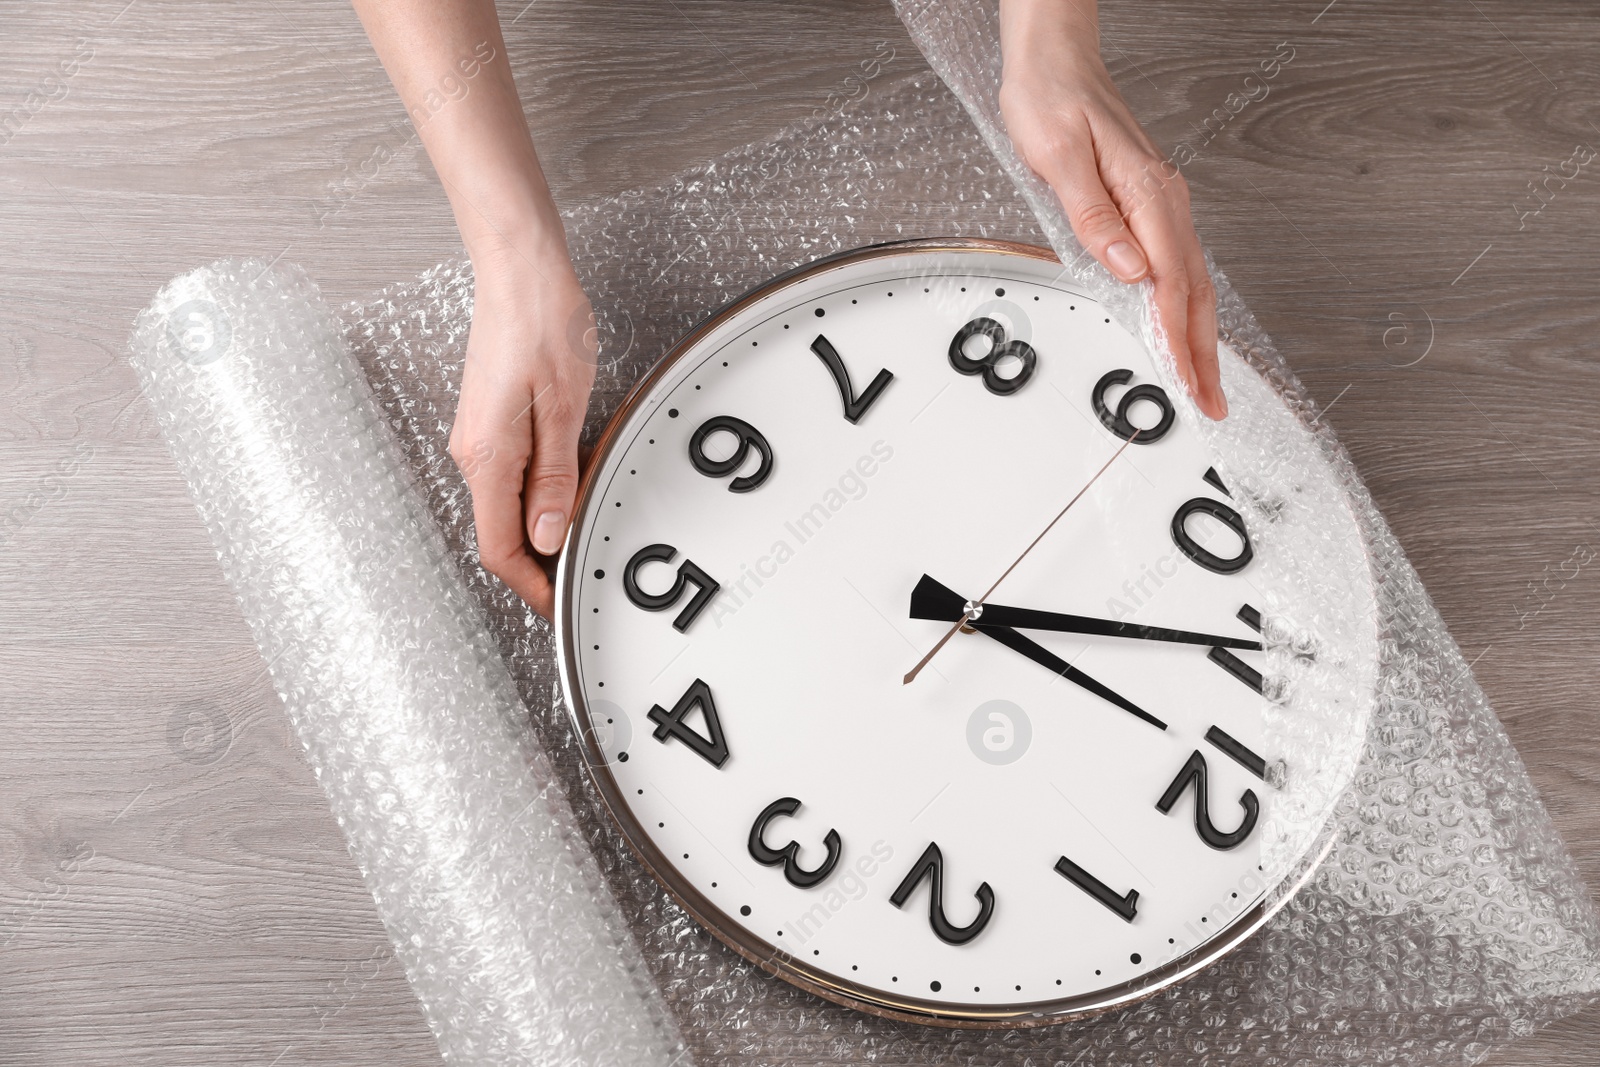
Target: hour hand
930	600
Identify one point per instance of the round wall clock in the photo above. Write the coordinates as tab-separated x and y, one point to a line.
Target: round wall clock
1066	809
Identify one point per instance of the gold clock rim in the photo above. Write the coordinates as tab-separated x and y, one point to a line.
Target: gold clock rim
769	958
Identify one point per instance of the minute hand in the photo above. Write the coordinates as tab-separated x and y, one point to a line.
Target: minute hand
1050	661
1044	658
930	600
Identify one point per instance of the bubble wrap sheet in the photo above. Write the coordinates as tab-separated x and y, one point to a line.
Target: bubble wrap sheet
406	710
1447	917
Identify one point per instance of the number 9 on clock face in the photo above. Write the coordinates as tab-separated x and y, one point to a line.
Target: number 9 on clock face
1065	809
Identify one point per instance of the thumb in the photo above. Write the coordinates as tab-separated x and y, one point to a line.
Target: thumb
552	479
1096	220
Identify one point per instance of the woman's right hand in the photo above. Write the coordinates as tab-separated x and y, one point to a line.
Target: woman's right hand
1072	127
530	364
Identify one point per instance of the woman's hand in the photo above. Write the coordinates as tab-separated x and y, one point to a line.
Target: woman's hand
1127	204
530	364
531	353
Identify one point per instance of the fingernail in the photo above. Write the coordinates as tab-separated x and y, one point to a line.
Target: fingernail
1126	261
1219	403
547	533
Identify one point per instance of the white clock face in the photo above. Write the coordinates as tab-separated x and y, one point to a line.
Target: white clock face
789	515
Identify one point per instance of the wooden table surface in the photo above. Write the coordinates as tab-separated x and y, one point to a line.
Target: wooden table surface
173	889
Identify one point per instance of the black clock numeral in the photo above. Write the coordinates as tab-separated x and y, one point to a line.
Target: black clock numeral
999	349
854	406
1237	751
787	855
1192	548
749	437
687	572
1236	667
1126	905
1117	421
1251	618
931	866
1195	771
713	745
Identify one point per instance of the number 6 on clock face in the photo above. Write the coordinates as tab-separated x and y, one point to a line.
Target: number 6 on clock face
1063	811
749	439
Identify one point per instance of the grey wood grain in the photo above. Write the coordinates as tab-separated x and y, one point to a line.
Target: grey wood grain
172	887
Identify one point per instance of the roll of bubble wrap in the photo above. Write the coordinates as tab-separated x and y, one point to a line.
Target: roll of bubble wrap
407	714
1447	917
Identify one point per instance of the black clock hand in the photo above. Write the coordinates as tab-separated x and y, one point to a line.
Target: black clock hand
1050	661
969	613
1031	649
930	600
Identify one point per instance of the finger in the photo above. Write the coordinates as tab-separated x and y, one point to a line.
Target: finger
552	475
1099	225
496	485
1160	230
1186	300
1203	327
491	448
